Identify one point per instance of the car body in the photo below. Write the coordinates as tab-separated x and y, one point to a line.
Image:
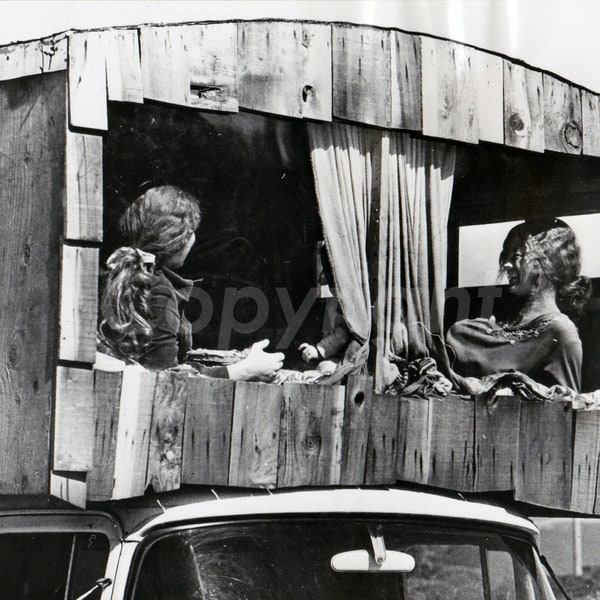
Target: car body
211	543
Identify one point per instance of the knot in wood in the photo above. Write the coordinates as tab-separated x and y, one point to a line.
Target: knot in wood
308	93
516	123
572	134
312	442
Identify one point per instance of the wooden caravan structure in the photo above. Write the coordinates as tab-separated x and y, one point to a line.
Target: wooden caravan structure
88	435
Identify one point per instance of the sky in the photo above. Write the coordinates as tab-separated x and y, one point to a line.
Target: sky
560	36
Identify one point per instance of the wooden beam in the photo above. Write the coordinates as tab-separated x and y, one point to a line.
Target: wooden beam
590	122
167	432
523	108
78	304
70	487
383	440
207	437
562	116
133	435
316	84
54	53
586	450
87	81
414	440
21	60
74	420
83	211
123	67
362	74
310	448
255	435
405	65
448	91
489	81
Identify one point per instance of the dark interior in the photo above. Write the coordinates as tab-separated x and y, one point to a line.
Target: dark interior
260	221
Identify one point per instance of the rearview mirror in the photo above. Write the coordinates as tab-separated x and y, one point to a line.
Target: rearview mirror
362	560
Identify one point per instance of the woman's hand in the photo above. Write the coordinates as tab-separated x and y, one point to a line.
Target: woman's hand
257	365
308	352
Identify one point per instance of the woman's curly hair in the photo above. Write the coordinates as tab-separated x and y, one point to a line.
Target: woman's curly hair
552	253
159	222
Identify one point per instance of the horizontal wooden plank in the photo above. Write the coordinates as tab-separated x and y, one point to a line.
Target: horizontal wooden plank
311	435
562	116
87	81
207	437
523	108
55	53
74	420
78	304
255	435
83	210
21	60
123	67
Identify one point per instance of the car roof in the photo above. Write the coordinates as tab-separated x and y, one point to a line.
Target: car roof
139	518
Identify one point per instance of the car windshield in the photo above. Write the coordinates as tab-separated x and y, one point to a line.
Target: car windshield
292	560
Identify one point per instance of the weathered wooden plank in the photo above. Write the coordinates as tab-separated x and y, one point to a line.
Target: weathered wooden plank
383	440
255	435
317	76
32	143
87	81
362	74
70	487
167	432
213	66
270	67
133	435
207	436
545	454
78	304
165	71
523	108
449	94
310	448
489	72
74	420
496	443
83	218
107	396
562	116
20	60
405	64
452	443
357	416
414	438
590	123
54	53
123	67
586	449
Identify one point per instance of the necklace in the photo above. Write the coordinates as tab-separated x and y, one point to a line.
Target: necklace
517	332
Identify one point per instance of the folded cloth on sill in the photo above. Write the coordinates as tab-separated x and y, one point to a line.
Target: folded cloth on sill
419	377
587	401
213	358
324	369
516	383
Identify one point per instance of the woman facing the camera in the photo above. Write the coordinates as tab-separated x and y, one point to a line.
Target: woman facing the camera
541	259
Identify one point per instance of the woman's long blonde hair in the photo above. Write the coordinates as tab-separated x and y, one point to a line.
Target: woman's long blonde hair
157	226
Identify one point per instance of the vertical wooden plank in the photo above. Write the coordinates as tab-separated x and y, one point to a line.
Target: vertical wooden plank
496	443
78	304
590	123
383	440
317	77
165	70
70	487
133	435
523	108
83	218
311	435
107	395
54	53
449	93
32	145
362	74
207	436
452	443
405	65
545	454
74	420
87	81
562	116
213	65
20	60
270	67
255	435
123	67
414	439
489	72
586	448
167	432
357	416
